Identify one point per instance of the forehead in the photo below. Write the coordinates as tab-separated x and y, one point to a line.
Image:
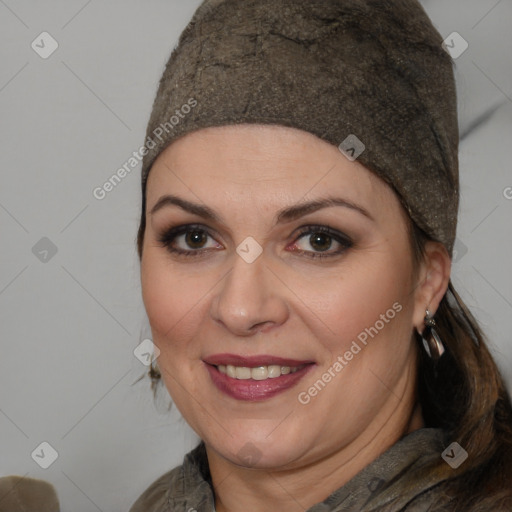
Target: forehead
273	164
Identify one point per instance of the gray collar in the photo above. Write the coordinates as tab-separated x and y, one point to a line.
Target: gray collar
395	480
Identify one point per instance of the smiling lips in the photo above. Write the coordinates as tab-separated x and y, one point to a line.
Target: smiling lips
258	373
254	378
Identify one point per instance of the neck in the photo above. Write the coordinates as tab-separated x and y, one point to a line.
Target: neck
237	488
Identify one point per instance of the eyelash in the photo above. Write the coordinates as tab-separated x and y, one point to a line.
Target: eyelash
167	238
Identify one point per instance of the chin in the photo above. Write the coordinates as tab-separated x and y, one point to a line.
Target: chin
260	451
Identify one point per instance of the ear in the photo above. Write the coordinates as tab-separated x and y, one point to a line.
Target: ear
433	280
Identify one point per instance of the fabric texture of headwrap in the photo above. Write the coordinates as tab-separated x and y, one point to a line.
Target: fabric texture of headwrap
364	75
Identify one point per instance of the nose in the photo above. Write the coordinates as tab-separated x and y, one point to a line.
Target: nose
249	299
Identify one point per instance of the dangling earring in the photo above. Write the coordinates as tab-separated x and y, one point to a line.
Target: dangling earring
431	340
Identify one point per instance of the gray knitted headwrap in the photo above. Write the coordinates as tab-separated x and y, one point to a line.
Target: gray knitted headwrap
360	74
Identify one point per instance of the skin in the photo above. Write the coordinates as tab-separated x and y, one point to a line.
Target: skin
287	304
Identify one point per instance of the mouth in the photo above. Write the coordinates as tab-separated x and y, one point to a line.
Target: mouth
272	371
255	378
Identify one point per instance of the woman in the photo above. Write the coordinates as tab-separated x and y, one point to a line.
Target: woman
300	195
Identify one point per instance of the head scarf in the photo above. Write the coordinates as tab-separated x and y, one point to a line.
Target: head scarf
370	77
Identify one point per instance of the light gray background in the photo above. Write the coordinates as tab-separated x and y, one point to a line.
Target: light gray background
69	325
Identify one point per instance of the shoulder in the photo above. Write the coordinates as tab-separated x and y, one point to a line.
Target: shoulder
178	487
431	500
441	498
156	497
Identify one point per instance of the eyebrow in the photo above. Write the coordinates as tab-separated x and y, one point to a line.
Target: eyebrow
195	208
299	210
286	215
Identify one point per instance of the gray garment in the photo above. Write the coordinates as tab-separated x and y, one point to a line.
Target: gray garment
378	487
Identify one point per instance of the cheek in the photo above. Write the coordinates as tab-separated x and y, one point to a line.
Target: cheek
373	308
366	312
170	299
352	299
174	309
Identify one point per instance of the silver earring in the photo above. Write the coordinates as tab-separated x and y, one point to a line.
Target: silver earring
431	340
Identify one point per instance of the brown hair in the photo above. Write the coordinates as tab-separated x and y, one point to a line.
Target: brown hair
463	393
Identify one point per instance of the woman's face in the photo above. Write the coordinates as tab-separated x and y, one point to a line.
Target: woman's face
266	247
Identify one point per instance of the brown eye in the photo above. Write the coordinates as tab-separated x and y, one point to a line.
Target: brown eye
320	241
196	239
188	240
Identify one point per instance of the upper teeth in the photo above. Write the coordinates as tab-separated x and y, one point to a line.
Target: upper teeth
259	373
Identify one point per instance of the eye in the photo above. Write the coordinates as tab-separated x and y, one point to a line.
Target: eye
188	240
321	241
